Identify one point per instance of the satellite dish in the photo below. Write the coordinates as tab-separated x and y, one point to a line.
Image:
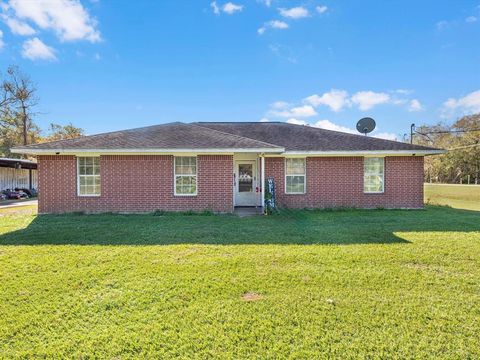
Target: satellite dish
366	125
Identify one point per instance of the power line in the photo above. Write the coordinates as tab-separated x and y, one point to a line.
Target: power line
426	134
464	147
446	131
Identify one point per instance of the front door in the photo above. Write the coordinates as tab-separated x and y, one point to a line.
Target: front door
245	183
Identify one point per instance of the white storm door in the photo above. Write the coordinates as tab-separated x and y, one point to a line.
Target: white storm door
245	183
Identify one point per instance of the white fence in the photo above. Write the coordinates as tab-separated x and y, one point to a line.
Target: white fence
11	178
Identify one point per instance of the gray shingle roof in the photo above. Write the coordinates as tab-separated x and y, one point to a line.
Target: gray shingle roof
307	138
273	136
166	136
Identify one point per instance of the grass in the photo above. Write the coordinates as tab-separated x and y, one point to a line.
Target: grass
456	196
16	210
303	284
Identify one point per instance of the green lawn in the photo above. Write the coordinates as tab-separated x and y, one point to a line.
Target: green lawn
345	284
456	196
17	210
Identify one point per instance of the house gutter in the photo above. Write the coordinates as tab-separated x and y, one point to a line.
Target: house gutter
365	153
228	151
266	152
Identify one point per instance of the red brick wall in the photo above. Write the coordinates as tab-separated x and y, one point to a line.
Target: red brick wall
338	181
139	183
135	183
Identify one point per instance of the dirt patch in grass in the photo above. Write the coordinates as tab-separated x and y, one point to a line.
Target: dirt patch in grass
251	296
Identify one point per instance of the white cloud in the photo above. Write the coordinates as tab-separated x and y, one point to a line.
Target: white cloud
35	49
18	27
385	135
321	9
368	99
471	19
335	99
274	24
2	44
470	103
328	125
264	120
323	124
296	122
228	8
97	56
67	18
215	8
415	105
231	8
294	13
303	111
299	111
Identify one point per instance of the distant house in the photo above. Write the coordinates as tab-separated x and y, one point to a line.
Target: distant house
17	173
219	166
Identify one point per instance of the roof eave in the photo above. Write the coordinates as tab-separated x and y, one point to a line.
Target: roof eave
420	152
268	151
34	151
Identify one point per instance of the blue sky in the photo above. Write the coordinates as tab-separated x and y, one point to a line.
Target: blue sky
106	64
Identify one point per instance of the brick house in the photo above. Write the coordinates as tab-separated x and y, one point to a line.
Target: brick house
219	166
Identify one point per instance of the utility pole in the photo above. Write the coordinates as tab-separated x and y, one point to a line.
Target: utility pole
25	125
412	130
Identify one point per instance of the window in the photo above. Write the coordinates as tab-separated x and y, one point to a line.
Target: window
186	175
373	175
88	181
295	176
245	178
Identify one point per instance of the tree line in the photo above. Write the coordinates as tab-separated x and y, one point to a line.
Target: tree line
461	165
18	104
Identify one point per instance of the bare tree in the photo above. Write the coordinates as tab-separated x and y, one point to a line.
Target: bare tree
5	102
18	100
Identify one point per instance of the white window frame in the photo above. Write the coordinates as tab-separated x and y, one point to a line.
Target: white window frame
304	176
78	176
370	174
175	175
